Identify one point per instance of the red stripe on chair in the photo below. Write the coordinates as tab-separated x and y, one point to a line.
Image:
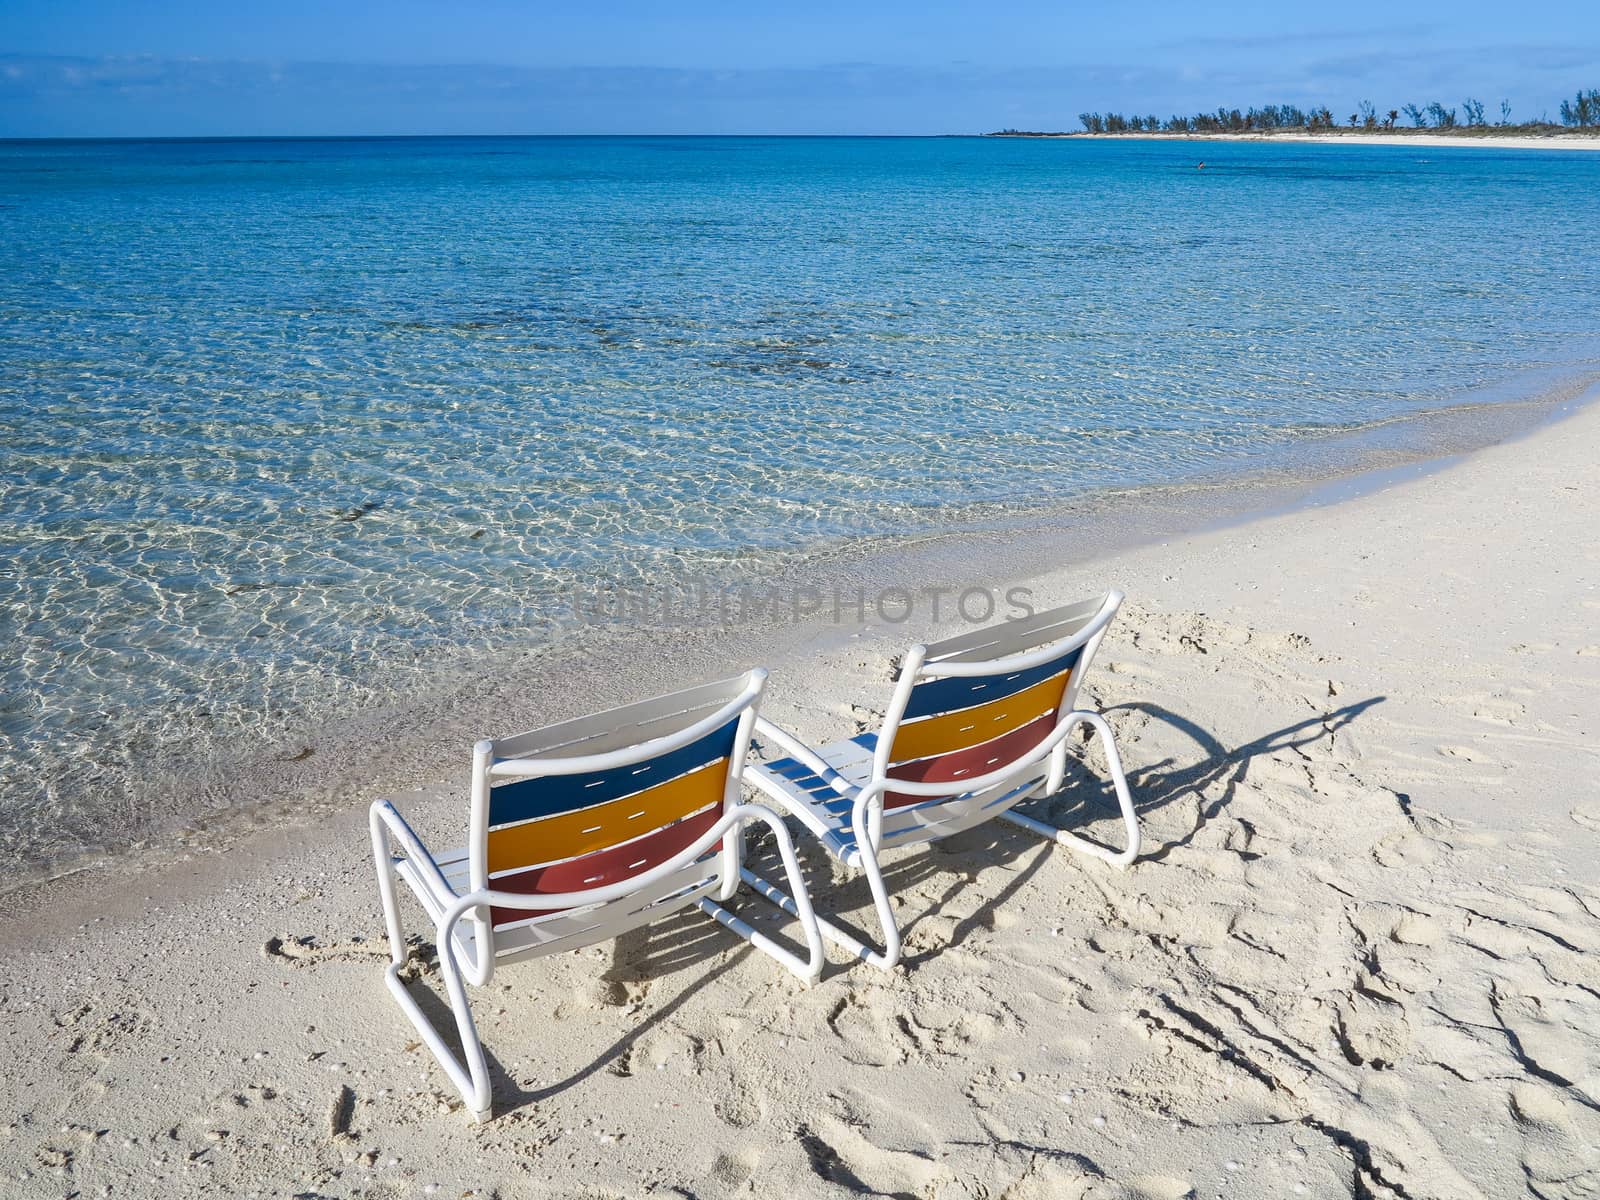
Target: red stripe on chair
969	763
601	868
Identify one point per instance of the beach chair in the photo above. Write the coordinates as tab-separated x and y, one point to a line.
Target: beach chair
976	725
578	833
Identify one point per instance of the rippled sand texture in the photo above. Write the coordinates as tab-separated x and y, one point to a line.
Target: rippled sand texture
286	426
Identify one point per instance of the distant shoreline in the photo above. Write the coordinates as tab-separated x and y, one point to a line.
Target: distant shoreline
1394	137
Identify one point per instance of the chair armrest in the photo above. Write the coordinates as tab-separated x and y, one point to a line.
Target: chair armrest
396	826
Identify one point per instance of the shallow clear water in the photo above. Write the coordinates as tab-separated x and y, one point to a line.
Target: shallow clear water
280	418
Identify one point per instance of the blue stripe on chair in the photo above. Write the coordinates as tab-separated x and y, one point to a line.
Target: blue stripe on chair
933	696
842	838
807	780
547	795
822	792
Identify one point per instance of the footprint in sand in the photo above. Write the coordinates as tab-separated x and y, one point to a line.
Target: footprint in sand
864	719
90	1030
1546	1037
1470	754
1534	1104
869	1039
1156	1187
1587	815
1497	710
740	1108
666	1049
1416	929
1272	771
1372	1031
1405	848
840	1155
1552	1176
1578	919
306	951
734	1170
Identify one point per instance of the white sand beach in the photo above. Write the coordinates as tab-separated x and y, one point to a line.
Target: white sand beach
1359	957
1495	141
1491	141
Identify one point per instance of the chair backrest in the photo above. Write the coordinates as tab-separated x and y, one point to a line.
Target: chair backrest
971	705
596	801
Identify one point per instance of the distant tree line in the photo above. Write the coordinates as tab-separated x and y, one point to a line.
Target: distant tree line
1581	112
1224	120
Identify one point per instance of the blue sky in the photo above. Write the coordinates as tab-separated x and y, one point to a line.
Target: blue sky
125	68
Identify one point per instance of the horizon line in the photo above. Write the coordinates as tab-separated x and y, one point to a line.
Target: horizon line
404	137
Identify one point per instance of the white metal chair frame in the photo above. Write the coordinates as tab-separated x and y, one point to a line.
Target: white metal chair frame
946	660
463	961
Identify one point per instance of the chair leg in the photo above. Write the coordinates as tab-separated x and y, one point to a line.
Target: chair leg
383	862
732	853
885	958
809	968
471	1078
469	1073
1119	781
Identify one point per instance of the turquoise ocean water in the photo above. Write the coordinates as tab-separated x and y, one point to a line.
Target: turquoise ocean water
277	417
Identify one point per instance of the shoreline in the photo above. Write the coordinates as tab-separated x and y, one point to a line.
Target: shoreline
1364	730
233	637
347	759
1495	141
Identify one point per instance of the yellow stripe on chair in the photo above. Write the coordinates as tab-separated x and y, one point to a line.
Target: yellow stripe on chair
968	727
569	834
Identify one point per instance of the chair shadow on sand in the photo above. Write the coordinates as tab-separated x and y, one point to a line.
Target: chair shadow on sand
1164	782
1084	799
693	939
687	940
